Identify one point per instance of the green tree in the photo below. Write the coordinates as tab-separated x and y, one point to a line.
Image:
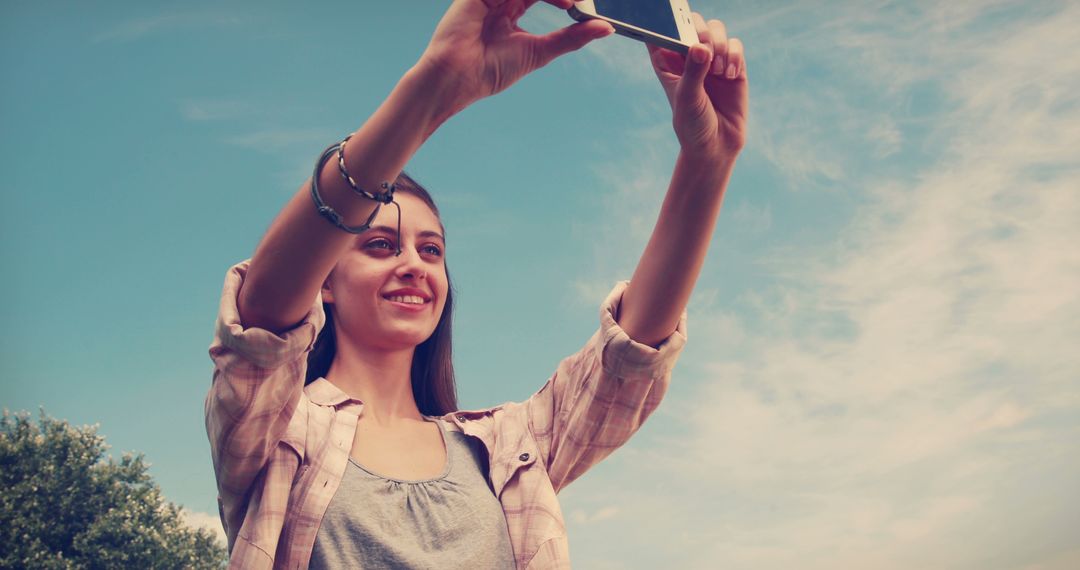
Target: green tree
64	504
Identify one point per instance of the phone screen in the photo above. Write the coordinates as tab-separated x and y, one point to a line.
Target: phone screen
653	15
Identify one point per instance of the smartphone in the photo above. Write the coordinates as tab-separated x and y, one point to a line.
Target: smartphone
663	23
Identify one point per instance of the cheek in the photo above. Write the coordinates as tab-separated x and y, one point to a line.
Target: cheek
442	293
444	288
357	288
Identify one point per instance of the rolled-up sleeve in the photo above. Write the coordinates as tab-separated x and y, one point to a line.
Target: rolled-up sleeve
257	383
601	395
623	357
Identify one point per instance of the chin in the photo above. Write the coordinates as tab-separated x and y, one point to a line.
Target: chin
402	339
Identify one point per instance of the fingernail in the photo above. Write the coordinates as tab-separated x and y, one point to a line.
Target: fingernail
717	66
731	71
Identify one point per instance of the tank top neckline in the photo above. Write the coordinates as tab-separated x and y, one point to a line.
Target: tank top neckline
440	477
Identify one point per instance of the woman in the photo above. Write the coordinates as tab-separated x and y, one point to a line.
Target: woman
369	464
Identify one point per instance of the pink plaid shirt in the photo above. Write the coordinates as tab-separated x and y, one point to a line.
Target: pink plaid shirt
280	449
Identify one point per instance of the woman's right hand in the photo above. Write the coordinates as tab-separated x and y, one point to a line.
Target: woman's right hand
478	49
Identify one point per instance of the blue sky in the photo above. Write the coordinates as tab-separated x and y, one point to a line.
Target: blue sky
881	369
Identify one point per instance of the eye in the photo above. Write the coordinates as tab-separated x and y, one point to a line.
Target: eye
431	249
379	243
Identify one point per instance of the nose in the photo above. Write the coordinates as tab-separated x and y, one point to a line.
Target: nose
410	265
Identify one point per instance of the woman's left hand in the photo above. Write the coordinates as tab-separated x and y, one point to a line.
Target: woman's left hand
707	91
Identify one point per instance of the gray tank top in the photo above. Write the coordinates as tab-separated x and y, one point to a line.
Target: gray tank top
451	521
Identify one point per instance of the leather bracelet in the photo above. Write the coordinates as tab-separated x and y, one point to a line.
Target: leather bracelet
332	215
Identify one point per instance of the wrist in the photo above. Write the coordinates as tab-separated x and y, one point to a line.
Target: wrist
439	89
708	159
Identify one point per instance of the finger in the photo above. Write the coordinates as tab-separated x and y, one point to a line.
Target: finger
667	70
736	59
704	39
665	60
703	49
718	33
570	38
691	87
702	30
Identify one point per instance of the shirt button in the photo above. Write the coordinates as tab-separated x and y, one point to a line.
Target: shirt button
524	457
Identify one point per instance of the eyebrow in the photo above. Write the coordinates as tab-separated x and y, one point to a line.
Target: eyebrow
425	233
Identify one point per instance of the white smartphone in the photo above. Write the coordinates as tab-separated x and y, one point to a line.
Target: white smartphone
664	23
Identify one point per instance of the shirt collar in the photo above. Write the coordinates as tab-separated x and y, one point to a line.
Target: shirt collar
323	392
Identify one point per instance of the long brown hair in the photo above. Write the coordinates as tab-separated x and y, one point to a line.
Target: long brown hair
432	366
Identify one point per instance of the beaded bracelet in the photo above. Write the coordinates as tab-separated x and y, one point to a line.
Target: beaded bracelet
329	213
332	215
382	197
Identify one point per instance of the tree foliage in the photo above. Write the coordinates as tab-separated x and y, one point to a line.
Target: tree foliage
65	505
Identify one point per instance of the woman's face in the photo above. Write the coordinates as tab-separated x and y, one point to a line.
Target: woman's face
385	301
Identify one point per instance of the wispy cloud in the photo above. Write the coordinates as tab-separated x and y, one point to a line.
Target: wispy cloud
885	136
295	150
751	219
633	179
140	27
275	140
888	396
626	57
581	516
216	110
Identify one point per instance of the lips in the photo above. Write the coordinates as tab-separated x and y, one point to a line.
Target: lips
408	296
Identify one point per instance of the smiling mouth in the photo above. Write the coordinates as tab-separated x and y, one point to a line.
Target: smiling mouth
407	299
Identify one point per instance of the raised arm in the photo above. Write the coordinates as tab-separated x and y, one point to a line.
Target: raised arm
300	248
476	51
708	96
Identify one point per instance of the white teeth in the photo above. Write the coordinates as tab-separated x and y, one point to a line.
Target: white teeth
410	299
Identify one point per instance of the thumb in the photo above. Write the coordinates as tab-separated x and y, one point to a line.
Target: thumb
691	87
570	38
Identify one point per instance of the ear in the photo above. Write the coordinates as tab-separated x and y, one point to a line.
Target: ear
327	293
